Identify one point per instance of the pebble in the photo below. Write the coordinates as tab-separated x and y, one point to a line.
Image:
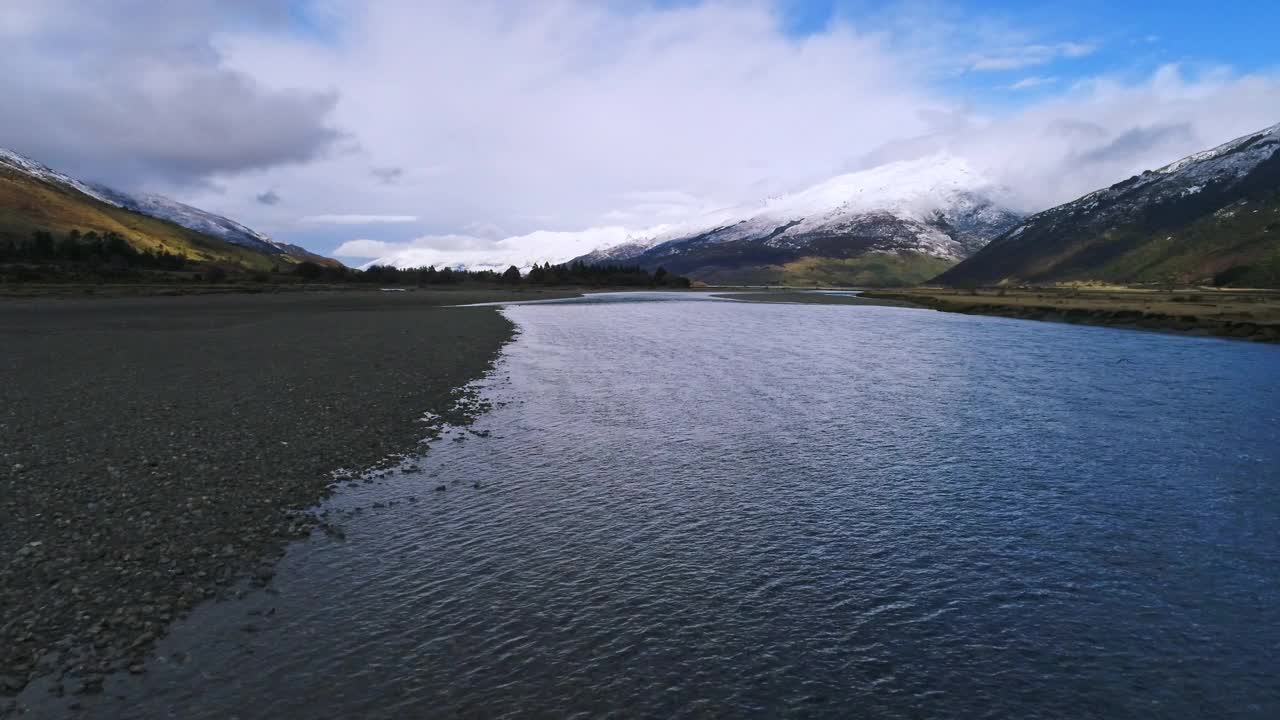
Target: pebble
153	488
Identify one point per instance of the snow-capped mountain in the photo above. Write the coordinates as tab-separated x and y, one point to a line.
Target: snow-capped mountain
1189	220
940	207
162	208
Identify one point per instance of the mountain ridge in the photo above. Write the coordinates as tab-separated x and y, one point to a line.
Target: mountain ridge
78	205
208	223
1210	217
925	213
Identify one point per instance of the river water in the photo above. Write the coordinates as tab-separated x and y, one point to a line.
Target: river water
698	508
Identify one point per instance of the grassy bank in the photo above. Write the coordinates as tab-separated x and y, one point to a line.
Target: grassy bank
155	450
1248	315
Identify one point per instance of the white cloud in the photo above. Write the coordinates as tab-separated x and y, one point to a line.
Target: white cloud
1032	82
358	219
573	111
1076	50
1097	133
1101	131
1016	58
131	91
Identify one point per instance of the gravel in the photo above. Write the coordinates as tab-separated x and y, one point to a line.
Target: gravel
156	451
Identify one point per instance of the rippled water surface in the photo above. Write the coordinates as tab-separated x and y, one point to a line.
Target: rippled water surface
700	508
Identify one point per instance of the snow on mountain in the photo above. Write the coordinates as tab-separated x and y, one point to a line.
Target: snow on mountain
622	252
912	189
1176	221
1232	158
938	205
1219	166
31	167
192	218
161	207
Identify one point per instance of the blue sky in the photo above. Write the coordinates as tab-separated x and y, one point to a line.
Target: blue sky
1235	31
1124	38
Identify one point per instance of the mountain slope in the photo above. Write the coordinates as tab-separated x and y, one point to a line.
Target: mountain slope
892	224
28	204
1212	216
34	197
207	223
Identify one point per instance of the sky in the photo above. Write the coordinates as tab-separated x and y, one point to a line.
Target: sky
453	129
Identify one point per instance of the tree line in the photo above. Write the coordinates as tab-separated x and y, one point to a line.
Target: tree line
575	273
107	250
580	273
110	255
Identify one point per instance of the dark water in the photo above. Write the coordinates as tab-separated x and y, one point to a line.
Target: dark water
699	508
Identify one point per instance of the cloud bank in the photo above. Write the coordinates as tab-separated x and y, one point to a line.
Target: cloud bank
130	91
538	247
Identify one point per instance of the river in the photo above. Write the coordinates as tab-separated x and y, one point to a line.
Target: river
696	508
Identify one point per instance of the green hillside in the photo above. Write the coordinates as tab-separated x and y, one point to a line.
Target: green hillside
28	205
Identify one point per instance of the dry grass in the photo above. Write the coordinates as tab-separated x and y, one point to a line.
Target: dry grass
1254	314
27	205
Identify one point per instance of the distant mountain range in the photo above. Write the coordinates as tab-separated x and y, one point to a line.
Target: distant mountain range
34	197
1212	217
899	223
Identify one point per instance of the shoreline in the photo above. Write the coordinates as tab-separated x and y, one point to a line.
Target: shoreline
1224	314
159	452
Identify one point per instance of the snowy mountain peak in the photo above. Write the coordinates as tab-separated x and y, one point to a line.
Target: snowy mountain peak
919	191
914	188
939	206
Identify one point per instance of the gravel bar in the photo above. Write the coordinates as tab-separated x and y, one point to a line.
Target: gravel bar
156	452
